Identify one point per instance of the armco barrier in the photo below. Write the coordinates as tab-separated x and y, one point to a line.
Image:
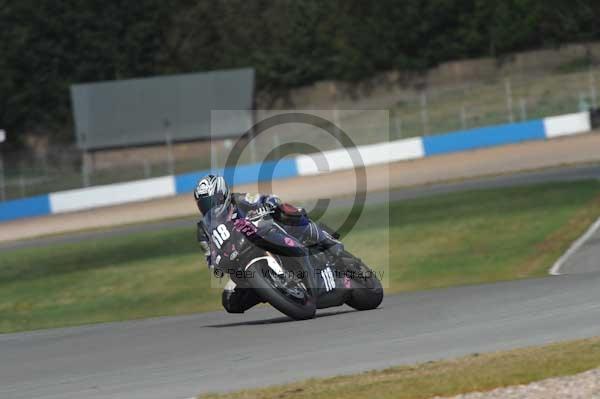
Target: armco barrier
26	207
111	194
302	165
427	146
242	174
566	125
484	137
373	154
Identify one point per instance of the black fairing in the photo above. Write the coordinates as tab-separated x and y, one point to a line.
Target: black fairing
247	242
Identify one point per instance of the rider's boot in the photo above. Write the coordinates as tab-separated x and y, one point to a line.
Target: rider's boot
238	300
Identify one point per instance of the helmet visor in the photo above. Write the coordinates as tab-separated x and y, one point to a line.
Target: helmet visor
205	204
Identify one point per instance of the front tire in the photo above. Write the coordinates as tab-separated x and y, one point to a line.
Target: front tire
368	291
289	296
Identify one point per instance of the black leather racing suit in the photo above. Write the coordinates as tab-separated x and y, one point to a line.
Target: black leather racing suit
238	300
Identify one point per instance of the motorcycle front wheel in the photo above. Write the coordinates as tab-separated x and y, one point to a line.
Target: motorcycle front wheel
285	292
367	293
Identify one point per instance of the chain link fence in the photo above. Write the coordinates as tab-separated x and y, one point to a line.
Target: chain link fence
412	113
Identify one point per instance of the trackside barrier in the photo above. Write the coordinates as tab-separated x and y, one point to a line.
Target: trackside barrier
26	207
491	136
420	147
302	165
119	193
242	174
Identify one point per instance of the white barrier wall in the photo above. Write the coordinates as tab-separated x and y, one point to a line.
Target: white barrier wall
566	125
112	194
400	150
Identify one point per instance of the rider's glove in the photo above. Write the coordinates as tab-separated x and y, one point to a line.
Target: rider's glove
261	211
206	248
272	202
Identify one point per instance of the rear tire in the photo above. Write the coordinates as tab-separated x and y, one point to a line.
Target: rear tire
268	289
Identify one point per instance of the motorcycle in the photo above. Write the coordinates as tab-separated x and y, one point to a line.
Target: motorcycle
258	253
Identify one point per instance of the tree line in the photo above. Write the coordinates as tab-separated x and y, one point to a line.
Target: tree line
45	46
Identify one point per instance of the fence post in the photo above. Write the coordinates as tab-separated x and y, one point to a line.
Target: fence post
424	113
523	104
214	155
45	162
583	104
593	94
21	180
276	144
463	117
85	164
169	143
509	101
85	169
2	183
2	189
335	111
397	127
147	171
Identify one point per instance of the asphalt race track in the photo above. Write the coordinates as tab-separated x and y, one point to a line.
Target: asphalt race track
182	356
179	357
586	258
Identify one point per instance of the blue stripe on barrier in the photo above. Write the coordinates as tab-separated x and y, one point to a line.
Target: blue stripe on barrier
272	170
187	182
484	137
26	207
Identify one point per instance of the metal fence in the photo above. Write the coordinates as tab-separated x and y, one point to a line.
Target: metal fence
505	100
412	113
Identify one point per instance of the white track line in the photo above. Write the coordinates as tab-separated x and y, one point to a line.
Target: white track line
555	271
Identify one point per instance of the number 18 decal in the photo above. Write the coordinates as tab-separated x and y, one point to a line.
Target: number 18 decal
220	235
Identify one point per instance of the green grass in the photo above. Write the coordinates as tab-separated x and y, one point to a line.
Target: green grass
445	378
463	238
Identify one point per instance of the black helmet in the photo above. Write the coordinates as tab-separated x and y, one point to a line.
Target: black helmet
212	193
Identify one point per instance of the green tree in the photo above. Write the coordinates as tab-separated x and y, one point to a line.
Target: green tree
46	46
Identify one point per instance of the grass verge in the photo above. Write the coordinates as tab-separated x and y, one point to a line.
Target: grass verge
461	238
444	378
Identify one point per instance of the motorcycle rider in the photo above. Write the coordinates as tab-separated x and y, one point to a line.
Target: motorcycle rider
213	194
